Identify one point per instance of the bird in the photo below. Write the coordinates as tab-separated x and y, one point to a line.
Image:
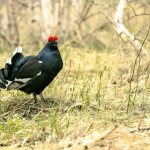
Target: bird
32	74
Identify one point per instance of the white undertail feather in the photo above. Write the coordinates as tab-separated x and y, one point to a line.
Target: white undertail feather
8	61
9	82
17	50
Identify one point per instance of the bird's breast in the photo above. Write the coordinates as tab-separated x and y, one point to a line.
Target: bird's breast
52	64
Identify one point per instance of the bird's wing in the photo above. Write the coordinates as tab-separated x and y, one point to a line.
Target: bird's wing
28	72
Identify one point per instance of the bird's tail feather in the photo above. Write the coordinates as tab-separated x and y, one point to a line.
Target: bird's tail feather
3	81
12	62
9	71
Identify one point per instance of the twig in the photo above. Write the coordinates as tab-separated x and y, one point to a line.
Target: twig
140	130
77	105
104	137
139	125
134	67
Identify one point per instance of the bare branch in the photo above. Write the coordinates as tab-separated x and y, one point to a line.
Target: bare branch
123	31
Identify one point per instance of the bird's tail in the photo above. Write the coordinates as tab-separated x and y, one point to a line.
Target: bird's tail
8	73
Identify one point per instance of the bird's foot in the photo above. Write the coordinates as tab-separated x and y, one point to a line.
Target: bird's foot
41	97
35	98
39	101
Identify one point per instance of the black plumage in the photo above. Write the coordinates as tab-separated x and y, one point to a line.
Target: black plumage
32	74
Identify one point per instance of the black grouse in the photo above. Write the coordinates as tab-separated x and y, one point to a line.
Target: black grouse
32	74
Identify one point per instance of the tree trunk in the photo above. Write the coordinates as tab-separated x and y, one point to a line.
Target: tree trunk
48	17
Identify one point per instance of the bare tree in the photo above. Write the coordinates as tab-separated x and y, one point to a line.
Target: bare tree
82	21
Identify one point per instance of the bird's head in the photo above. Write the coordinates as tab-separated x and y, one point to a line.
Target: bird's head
53	41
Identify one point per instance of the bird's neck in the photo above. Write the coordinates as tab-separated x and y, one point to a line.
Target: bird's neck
48	50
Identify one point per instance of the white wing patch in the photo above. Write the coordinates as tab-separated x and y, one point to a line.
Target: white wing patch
17	50
40	62
39	73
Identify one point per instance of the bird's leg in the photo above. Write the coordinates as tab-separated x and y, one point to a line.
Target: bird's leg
41	96
35	97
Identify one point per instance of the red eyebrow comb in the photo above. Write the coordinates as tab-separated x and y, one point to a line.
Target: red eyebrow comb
52	38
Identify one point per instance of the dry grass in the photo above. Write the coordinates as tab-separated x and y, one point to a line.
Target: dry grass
93	93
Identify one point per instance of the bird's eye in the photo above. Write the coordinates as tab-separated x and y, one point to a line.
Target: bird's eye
55	46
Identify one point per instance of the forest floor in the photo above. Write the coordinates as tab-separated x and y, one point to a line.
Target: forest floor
99	100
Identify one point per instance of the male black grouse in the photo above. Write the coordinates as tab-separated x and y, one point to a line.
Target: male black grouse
31	74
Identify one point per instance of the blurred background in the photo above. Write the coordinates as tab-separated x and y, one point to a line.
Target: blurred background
103	83
79	23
